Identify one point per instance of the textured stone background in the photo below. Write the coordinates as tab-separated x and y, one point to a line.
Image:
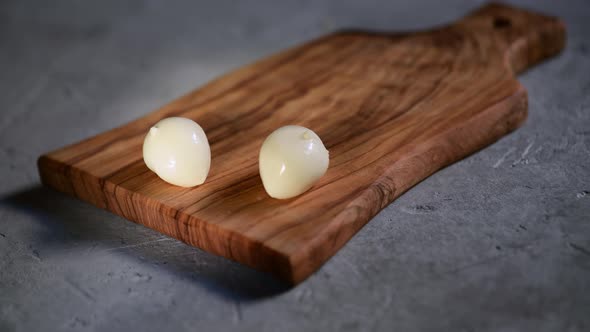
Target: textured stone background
497	242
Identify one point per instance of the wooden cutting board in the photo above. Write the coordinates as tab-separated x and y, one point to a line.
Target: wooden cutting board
391	108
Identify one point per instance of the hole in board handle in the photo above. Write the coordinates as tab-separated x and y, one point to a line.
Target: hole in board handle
502	22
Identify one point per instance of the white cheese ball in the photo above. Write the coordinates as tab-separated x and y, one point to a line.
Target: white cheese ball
177	150
292	159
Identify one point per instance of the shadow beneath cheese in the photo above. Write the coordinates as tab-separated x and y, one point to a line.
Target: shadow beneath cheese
65	222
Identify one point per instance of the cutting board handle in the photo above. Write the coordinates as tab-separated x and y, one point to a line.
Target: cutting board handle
524	37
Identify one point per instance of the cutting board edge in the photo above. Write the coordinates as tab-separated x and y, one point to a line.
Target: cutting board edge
57	175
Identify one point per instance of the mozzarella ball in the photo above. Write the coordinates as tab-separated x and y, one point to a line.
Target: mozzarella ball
177	150
291	160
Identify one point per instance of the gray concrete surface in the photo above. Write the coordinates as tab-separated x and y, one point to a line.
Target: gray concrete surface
497	242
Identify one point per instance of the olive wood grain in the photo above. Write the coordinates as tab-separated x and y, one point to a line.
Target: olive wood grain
391	108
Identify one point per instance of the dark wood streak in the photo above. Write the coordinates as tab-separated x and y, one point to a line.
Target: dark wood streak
228	187
392	109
